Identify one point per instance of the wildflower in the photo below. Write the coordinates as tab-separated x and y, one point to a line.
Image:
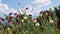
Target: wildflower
22	20
19	16
10	13
37	24
10	17
49	14
46	13
15	14
25	17
8	28
34	19
51	21
30	15
26	8
38	19
9	20
41	12
2	19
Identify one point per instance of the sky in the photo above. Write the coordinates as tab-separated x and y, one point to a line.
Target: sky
35	6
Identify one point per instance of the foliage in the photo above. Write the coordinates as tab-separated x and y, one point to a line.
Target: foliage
45	23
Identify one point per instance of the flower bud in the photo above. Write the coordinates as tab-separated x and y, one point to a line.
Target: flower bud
37	24
25	17
22	20
51	21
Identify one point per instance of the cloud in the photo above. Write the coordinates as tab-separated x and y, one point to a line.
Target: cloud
4	8
37	5
41	3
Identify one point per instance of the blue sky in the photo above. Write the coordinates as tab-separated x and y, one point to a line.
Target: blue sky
14	3
37	5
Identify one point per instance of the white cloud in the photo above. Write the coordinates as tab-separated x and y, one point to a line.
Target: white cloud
37	4
40	3
4	8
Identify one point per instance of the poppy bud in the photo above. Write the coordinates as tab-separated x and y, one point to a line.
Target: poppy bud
37	24
25	17
30	15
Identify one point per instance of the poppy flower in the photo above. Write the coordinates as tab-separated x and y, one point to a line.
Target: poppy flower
15	14
2	19
41	11
25	17
30	15
51	21
49	14
34	19
10	17
38	19
19	16
26	8
9	20
10	13
37	24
